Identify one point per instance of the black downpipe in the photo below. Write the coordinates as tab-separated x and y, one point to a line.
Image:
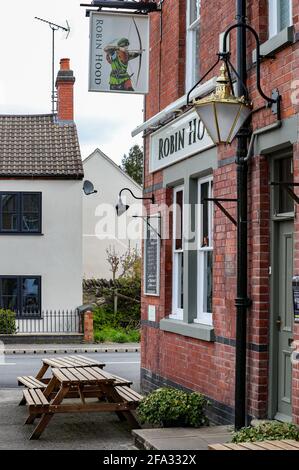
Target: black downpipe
242	298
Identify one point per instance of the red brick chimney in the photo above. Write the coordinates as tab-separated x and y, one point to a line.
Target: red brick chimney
65	91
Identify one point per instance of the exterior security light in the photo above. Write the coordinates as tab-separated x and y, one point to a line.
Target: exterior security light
222	113
121	208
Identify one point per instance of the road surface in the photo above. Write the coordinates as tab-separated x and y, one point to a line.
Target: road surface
125	365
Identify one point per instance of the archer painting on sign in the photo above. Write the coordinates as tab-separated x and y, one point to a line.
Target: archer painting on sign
119	65
118	55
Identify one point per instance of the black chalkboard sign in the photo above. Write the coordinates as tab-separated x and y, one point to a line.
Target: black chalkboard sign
152	256
295	284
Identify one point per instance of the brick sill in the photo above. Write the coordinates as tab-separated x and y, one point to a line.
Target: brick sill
192	330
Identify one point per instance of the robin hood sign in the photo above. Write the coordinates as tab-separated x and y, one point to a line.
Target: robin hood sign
119	53
180	139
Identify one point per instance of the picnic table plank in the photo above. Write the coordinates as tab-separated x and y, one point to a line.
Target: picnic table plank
267	445
291	442
87	375
29	381
41	397
250	446
70	376
283	445
59	374
218	447
99	374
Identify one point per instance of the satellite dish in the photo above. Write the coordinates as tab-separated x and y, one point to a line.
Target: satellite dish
88	188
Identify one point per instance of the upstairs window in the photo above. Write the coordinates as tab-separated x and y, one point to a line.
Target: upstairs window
280	15
20	212
192	42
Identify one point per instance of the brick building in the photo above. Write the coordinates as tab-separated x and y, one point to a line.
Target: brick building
188	311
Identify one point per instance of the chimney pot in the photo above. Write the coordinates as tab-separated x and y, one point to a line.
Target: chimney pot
65	64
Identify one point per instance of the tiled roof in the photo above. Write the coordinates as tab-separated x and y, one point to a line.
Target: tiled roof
39	146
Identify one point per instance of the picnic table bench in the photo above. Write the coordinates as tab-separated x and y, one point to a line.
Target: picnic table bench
285	444
112	393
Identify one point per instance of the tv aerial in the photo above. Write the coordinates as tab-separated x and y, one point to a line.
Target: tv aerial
55	27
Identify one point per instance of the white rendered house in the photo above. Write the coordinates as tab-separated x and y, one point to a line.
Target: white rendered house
102	229
41	208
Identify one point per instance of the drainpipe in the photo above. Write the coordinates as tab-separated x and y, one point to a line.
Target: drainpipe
242	303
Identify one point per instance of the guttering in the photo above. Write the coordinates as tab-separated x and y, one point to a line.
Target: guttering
176	106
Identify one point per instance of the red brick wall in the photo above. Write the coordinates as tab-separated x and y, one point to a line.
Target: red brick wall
209	367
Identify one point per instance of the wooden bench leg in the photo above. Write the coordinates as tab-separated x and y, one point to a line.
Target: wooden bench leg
131	419
31	418
22	402
46	417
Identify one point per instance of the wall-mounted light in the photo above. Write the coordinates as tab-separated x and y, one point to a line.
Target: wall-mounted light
222	113
121	208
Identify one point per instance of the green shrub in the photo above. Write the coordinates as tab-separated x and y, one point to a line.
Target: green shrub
133	336
267	431
171	407
7	322
116	335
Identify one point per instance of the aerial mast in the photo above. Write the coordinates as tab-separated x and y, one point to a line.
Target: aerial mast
54	27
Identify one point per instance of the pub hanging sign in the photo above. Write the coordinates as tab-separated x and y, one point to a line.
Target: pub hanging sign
119	53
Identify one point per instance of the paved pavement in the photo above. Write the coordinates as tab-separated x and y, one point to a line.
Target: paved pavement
90	431
67	348
182	438
125	365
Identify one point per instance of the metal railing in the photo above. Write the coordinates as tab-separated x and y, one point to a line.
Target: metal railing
60	321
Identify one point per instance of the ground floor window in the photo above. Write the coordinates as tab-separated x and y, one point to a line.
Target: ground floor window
178	255
22	294
205	252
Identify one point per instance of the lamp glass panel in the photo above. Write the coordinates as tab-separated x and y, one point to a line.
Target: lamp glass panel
207	115
226	114
244	113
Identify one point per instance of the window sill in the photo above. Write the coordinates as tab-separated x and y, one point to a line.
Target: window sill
21	234
192	330
281	40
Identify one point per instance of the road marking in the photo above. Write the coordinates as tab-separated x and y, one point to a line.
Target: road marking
8	364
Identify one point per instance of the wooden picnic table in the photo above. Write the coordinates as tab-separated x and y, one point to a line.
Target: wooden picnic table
285	444
40	382
112	394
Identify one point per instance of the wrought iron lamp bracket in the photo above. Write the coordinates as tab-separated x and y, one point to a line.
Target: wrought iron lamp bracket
274	101
288	188
218	202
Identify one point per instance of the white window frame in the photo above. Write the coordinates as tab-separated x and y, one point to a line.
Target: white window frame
203	317
192	55
177	313
274	17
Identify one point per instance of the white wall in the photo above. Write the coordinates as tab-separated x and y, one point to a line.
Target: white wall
56	255
101	227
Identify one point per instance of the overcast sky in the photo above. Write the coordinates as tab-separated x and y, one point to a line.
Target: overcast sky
104	120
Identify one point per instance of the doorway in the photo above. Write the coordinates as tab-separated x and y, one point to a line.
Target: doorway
282	249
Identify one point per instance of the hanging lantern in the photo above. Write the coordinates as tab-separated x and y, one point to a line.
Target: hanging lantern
222	113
